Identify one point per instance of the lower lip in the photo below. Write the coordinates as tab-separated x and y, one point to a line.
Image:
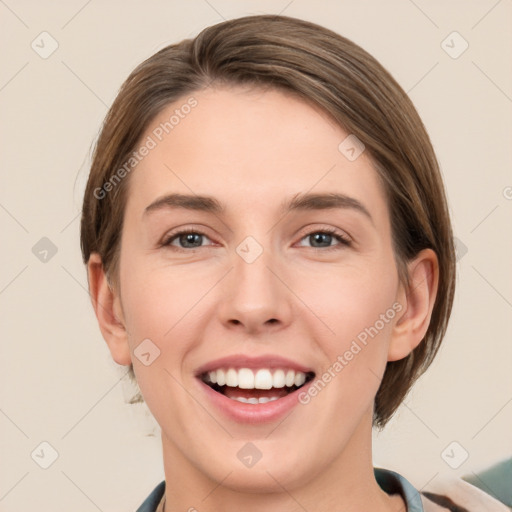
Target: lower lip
253	413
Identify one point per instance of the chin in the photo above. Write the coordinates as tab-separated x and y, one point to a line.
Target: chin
269	474
261	481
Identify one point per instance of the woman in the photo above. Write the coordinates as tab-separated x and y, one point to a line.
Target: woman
269	250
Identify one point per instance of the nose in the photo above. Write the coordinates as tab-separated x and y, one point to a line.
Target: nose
256	298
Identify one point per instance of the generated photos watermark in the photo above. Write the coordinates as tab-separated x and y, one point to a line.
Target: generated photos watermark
150	143
344	359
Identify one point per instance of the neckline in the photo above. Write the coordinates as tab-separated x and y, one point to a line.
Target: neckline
389	481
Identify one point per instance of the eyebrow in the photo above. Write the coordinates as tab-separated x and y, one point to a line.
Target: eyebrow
298	202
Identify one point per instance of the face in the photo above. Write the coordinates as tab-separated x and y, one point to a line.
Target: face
269	290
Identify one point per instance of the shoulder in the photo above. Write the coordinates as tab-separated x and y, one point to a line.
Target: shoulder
459	495
442	495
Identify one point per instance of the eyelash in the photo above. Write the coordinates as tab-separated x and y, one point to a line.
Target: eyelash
343	240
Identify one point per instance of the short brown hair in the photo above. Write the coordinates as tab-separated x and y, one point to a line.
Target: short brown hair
322	68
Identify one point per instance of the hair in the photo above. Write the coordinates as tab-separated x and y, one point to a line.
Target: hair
326	70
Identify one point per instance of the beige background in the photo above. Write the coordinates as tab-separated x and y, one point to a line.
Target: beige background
58	383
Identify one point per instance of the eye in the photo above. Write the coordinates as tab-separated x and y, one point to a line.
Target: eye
187	238
324	237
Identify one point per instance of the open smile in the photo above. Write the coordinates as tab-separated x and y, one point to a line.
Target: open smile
256	386
254	393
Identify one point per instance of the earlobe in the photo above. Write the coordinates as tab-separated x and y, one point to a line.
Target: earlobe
418	302
106	304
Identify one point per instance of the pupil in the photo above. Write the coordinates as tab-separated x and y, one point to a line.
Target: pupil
189	237
318	237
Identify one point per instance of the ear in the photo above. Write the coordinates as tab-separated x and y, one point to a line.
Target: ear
107	307
417	302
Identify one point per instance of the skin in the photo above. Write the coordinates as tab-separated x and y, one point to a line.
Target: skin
252	149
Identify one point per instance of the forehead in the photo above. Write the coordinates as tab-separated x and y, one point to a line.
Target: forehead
249	146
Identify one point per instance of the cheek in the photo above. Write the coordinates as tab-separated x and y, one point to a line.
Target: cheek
158	308
353	300
359	307
167	306
157	301
361	313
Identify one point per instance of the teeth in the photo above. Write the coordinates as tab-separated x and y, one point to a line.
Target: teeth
262	400
278	380
263	379
221	378
245	378
231	378
300	378
290	378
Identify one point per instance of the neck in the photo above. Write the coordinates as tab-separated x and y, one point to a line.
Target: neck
345	484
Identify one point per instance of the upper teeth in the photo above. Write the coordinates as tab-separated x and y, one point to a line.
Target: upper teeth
246	378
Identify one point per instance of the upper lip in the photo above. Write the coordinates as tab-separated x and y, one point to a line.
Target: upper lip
238	361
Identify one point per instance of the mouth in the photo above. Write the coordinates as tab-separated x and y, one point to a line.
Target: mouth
255	386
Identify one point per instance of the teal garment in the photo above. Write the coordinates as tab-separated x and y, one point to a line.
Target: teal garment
152	501
496	481
394	483
389	482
